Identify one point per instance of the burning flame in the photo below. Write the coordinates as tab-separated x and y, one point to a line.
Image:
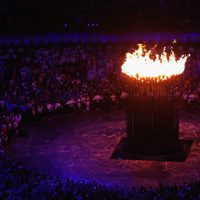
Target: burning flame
141	65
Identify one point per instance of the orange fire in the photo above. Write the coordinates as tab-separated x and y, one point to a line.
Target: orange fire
145	64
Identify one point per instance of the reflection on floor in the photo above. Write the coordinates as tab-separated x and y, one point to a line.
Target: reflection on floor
79	146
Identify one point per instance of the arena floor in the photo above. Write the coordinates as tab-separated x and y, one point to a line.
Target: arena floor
79	146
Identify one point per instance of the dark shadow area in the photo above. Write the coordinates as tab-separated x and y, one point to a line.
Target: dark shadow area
146	153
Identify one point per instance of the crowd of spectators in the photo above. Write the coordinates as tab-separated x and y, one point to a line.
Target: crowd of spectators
10	125
39	82
19	183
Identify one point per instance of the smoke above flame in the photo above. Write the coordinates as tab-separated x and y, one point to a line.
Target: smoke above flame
147	64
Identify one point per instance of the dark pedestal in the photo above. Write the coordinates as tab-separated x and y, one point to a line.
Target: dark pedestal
152	121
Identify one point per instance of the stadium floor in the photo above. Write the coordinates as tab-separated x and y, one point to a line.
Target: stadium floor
79	146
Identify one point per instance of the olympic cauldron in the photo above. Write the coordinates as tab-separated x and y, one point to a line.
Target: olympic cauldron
152	116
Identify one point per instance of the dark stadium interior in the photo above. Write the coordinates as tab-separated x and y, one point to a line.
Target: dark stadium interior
21	15
64	100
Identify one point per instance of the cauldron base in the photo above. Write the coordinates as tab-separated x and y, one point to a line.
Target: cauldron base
127	151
